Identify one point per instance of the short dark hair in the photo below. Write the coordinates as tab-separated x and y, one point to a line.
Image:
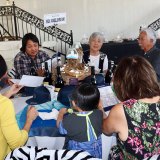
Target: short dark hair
26	37
3	66
86	97
135	78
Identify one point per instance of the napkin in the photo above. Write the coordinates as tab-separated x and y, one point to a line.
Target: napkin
50	115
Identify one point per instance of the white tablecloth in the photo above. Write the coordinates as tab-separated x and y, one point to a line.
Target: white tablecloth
58	142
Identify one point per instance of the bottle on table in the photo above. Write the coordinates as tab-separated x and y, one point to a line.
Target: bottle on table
59	83
47	74
108	77
33	69
33	72
109	74
93	76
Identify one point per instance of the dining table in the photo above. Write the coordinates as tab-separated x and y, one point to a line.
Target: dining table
45	135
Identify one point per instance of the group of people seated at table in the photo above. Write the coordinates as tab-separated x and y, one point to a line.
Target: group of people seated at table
136	119
30	57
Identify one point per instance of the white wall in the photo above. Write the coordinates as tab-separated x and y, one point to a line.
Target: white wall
113	17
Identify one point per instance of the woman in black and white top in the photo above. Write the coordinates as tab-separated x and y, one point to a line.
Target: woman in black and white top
94	57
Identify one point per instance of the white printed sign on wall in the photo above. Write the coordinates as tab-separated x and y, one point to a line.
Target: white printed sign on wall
54	19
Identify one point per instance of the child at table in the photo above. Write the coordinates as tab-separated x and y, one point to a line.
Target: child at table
83	127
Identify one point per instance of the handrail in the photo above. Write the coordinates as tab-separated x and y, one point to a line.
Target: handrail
155	25
4	33
20	22
34	20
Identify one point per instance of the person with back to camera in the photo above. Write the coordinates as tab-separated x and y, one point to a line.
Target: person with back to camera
28	60
137	118
94	57
83	127
10	135
147	41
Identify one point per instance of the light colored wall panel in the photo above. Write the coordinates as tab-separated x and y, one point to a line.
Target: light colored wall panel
113	17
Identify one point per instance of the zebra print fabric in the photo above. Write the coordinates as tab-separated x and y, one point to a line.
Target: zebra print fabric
155	157
37	153
12	73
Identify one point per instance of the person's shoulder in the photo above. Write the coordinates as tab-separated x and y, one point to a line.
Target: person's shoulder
117	113
43	54
4	101
86	52
156	51
2	97
19	55
117	106
97	112
103	55
117	109
155	55
70	118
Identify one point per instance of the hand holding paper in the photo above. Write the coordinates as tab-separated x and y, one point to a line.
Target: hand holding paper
15	88
15	81
29	81
12	90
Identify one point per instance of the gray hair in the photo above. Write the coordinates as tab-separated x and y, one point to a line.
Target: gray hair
150	33
97	35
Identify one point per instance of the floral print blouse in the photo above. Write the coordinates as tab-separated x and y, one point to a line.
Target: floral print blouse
143	132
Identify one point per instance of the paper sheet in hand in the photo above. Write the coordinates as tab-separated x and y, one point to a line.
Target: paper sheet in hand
15	81
107	96
31	81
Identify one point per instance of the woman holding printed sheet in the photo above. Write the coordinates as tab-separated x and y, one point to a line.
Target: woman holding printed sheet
11	136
